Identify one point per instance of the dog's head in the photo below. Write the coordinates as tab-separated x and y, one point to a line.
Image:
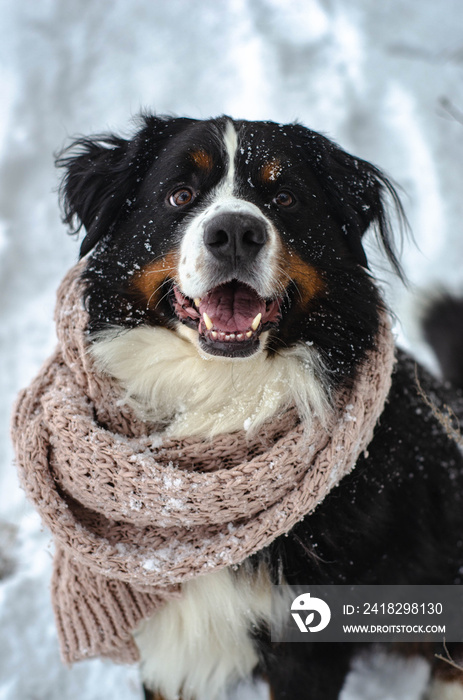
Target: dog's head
248	234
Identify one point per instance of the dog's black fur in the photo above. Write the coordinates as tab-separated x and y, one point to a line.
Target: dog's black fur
398	517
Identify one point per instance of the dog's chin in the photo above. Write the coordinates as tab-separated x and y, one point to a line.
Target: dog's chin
230	321
230	349
226	351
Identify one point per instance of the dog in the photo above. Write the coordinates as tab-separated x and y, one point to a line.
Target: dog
225	258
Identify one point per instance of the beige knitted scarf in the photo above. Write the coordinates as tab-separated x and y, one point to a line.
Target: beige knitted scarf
134	514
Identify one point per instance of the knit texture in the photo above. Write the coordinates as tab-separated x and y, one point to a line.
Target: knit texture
134	514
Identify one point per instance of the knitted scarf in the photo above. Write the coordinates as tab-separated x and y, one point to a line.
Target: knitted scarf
134	514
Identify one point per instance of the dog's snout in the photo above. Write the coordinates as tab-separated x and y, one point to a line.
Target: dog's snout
235	237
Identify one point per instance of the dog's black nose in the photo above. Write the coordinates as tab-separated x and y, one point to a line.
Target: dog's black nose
235	237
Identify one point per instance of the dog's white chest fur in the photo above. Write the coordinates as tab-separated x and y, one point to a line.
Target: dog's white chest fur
196	646
169	382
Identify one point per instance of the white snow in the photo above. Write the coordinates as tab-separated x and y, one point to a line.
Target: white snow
382	79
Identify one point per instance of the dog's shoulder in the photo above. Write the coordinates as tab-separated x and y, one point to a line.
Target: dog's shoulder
395	518
421	408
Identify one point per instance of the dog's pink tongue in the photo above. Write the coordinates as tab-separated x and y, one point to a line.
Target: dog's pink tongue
232	307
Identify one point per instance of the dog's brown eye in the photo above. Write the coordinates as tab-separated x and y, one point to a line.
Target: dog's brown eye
284	199
181	197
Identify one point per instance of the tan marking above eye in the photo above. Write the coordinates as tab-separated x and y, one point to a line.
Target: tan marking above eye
202	159
150	281
270	171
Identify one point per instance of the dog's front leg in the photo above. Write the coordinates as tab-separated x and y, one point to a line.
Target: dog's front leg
305	671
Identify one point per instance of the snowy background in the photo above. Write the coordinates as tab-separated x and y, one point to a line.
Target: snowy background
384	79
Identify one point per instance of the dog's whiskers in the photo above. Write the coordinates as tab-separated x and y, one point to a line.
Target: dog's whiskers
156	272
157	289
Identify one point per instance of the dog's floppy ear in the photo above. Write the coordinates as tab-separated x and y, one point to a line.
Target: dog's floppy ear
103	174
358	193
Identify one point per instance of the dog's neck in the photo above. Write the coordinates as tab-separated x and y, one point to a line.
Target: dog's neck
169	383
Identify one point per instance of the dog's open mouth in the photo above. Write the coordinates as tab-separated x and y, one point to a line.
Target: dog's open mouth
229	318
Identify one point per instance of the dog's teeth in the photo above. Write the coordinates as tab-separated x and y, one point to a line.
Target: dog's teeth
232	336
248	334
197	301
255	323
240	336
214	335
207	321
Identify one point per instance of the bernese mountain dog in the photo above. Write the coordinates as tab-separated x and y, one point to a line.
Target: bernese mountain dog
225	258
